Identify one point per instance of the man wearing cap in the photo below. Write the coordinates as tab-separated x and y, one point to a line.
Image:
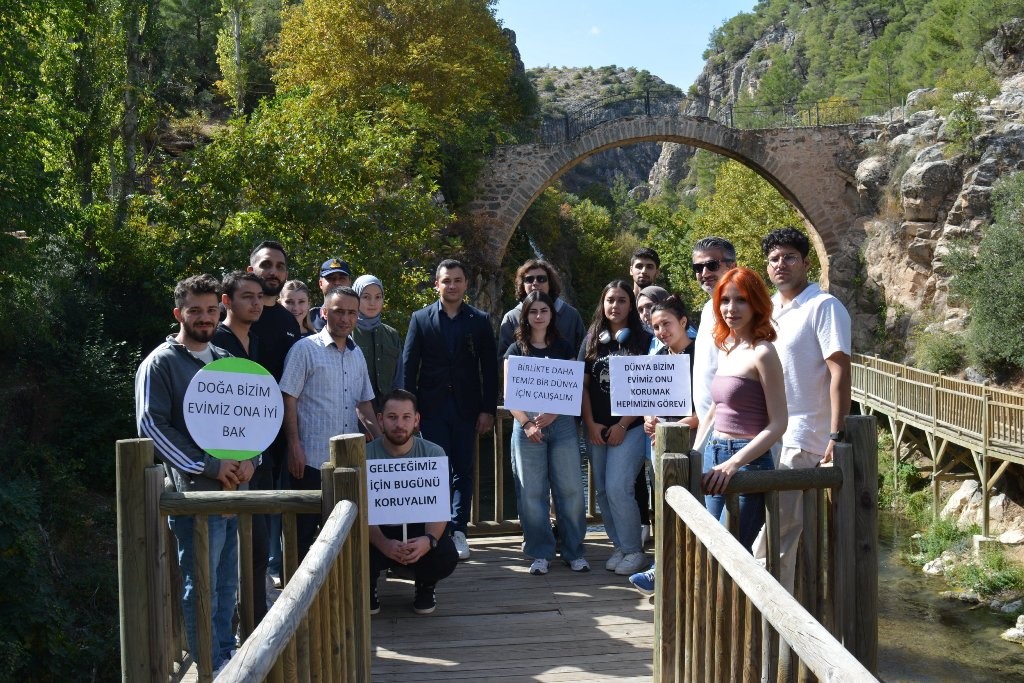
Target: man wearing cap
333	273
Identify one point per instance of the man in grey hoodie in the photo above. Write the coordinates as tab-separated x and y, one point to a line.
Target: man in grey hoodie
160	385
537	274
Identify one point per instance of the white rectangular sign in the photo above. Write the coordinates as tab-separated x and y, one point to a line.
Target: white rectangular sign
544	385
408	490
651	385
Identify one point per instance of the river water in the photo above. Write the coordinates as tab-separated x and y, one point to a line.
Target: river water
925	637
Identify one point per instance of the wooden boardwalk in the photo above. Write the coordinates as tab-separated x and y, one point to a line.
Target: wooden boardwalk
496	622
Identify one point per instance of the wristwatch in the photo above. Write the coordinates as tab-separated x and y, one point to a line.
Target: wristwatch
433	542
837	436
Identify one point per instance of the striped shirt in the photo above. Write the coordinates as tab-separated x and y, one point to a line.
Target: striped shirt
327	383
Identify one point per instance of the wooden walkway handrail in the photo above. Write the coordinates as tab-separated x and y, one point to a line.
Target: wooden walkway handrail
239	502
986	421
261	651
811	641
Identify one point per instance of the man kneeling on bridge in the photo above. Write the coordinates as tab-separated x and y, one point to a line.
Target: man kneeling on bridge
429	551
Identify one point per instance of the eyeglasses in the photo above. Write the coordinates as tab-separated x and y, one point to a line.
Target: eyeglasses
539	279
712	265
789	259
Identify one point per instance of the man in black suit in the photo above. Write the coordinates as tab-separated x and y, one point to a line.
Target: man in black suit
451	365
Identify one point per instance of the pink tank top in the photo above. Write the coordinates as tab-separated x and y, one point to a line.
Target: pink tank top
739	405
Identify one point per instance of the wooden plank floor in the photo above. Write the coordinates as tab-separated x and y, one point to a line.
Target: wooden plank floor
496	622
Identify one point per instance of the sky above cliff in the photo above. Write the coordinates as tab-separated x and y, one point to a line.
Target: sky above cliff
666	37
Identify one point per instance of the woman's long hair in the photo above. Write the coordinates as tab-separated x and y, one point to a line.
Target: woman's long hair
753	289
635	344
523	332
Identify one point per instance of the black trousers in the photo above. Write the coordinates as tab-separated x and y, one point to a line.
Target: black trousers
262	480
437	564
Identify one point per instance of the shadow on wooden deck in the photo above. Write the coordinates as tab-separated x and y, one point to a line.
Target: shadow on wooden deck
496	622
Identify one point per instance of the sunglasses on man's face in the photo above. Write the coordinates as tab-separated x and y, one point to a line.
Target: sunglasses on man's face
712	265
539	279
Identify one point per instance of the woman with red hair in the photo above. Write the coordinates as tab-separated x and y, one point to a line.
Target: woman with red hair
749	411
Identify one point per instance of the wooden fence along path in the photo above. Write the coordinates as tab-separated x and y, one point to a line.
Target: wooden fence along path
718	614
318	630
986	421
721	616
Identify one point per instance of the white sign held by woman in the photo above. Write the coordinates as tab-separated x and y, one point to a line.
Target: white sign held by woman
544	385
651	385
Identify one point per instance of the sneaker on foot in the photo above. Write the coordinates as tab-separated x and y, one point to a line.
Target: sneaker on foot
643	581
631	564
645	535
614	560
424	602
539	567
276	579
374	601
580	564
461	545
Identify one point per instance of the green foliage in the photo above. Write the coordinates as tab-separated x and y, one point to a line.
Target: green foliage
992	283
938	537
939	351
993	573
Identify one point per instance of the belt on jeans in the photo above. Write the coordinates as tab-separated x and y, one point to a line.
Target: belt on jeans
731	443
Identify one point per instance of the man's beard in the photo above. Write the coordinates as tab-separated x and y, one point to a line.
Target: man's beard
390	436
201	336
272	290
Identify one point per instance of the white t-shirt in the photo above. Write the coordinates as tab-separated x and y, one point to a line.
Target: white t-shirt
705	361
811	328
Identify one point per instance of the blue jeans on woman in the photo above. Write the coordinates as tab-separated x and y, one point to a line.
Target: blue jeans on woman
551	465
718	451
223	580
615	470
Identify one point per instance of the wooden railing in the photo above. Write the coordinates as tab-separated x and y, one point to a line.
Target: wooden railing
720	615
491	519
986	421
319	629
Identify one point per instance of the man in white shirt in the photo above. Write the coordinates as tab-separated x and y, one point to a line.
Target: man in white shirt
814	347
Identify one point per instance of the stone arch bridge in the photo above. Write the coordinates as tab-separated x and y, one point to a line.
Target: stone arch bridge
809	156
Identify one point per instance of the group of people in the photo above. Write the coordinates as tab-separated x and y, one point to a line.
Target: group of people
764	369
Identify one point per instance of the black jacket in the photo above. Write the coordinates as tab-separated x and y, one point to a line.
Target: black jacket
470	375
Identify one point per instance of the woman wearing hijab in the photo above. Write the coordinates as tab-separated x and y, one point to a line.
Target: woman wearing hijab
380	343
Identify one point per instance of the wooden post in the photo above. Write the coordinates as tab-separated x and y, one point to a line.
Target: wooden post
246	610
843	549
862	432
666	557
132	458
157	561
203	600
349	486
349	450
499	466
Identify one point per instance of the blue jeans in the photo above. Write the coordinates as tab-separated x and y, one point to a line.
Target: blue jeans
718	451
615	470
552	465
223	580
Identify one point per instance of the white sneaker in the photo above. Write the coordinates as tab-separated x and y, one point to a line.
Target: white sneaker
614	560
645	535
539	567
580	564
461	545
631	564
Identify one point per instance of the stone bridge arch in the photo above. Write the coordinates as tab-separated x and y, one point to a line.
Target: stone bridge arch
813	168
